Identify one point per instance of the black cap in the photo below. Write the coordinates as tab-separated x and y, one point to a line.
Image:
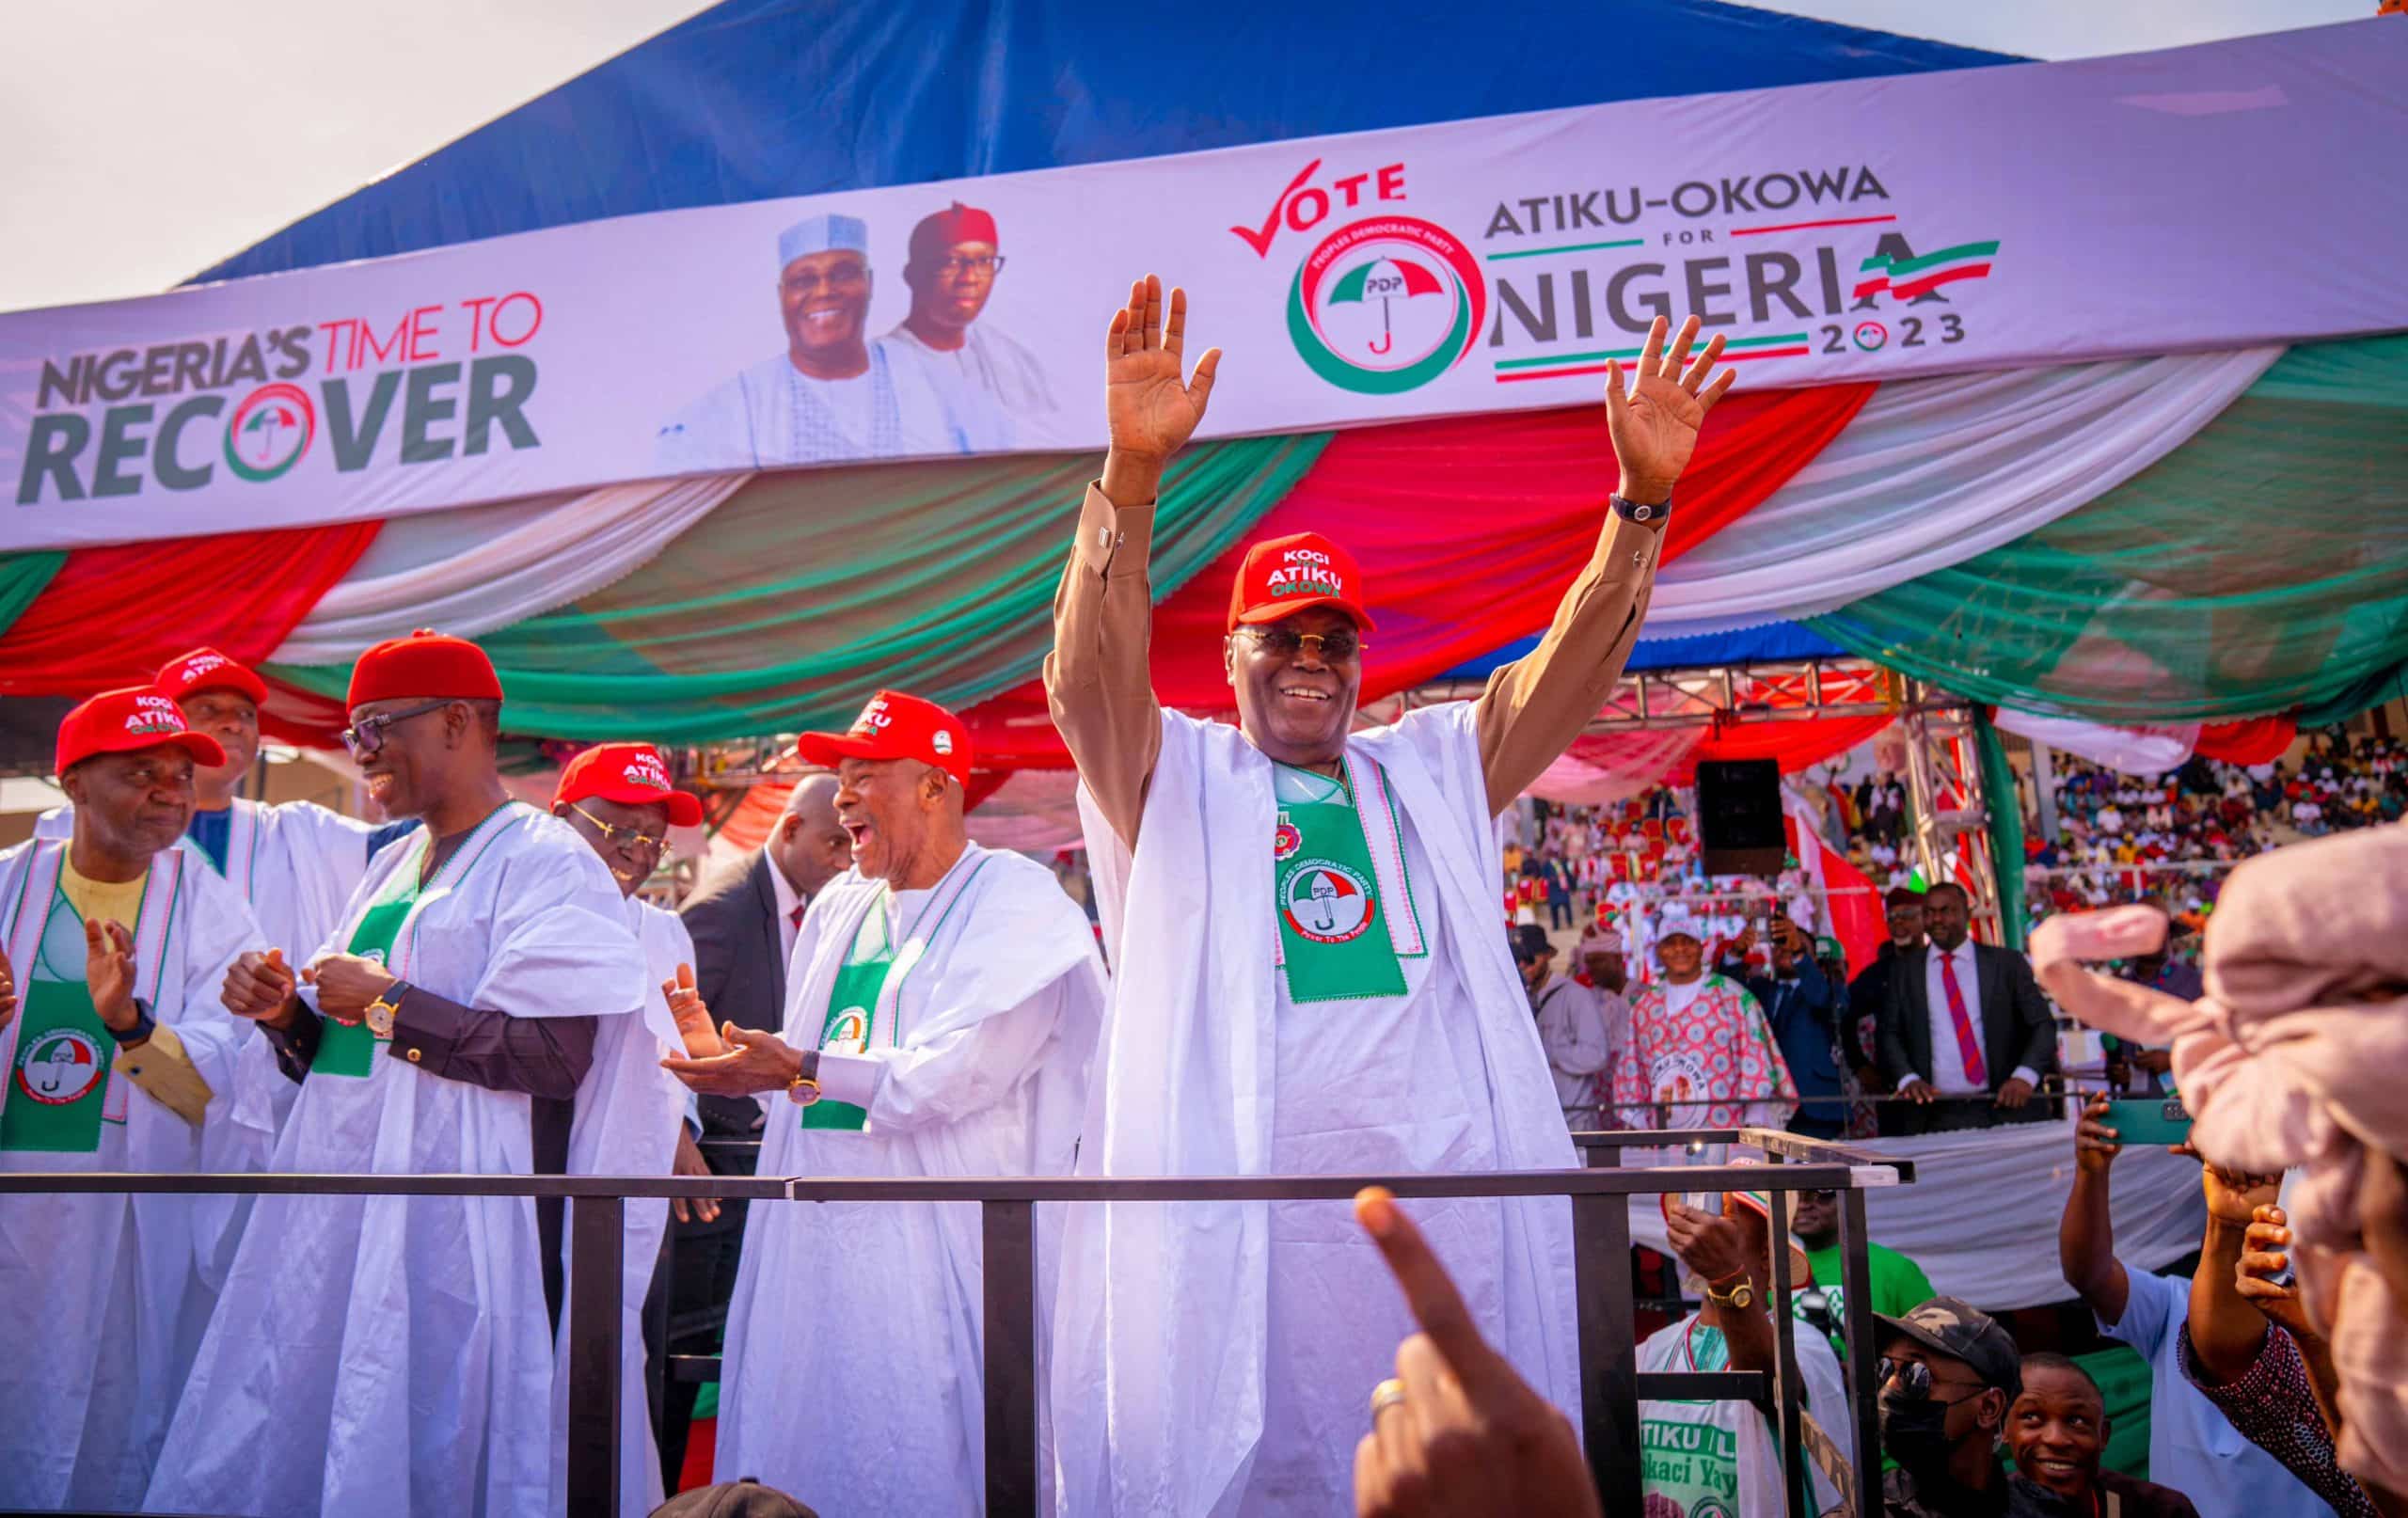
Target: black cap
747	1499
1957	1329
1529	942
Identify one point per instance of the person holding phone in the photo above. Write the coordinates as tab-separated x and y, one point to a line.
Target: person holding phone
2192	1447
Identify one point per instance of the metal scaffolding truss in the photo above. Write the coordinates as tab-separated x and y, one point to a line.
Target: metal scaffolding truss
1721	696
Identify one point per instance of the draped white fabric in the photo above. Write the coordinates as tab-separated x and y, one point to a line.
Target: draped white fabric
2129	750
1981	1218
481	567
1933	471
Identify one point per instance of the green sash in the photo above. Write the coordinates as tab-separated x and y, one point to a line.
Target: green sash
350	1048
1333	944
853	1013
59	1083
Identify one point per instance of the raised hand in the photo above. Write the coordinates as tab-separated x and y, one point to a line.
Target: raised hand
1458	1432
2264	1257
694	1017
1150	406
2094	1143
108	971
260	986
1653	424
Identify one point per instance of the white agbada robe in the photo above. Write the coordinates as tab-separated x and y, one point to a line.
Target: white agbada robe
103	1298
295	862
992	382
853	1366
1694	1451
773	415
630	1111
391	1354
1226	1350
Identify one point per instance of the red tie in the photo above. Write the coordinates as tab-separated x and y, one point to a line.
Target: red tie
796	918
1968	1044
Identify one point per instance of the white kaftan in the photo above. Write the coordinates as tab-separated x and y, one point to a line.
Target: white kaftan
773	415
1226	1350
630	1111
992	382
853	1363
103	1298
390	1354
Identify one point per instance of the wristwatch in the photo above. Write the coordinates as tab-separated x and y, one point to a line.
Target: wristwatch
1631	510
1740	1297
380	1011
805	1088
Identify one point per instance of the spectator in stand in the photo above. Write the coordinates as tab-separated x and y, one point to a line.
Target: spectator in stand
1579	1046
2192	1447
1803	1009
1948	1374
1700	1054
1964	1019
1868	994
2057	1430
1558	881
1603	970
1899	1285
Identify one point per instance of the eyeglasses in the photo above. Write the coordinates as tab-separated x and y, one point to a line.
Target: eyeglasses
659	845
1286	643
1916	1378
810	281
367	735
987	263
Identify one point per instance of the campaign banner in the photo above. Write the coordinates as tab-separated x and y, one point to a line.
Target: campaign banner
2213	197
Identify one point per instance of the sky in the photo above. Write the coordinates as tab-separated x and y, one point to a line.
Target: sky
150	138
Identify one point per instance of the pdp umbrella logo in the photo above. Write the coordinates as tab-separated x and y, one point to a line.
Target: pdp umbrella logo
1386	306
269	432
1329	903
60	1068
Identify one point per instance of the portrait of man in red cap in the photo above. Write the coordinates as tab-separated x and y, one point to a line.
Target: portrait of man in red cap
990	380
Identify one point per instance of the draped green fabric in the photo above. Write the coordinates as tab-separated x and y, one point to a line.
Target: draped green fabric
2005	830
806	590
24	577
2262	565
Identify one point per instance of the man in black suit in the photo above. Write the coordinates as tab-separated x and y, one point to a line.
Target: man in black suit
1868	998
743	921
1965	1018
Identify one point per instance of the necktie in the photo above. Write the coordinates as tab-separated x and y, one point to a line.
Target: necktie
1969	1043
796	918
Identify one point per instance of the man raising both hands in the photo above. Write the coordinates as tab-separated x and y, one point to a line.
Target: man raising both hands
1345	1005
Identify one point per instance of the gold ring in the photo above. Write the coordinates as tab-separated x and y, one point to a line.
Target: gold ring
1387	1394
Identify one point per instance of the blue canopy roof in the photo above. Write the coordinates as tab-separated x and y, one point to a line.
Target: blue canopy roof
756	99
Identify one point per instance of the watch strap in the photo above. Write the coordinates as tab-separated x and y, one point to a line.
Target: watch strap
144	1025
1645	513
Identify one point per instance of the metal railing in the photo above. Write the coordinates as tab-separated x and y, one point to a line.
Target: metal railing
1610	1382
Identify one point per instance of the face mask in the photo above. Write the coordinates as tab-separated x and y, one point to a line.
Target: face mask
1914	1429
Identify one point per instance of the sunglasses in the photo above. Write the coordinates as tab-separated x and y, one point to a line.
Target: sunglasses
1915	1377
658	844
1286	643
365	737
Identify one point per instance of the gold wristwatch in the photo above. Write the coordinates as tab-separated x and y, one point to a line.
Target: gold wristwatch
380	1011
1739	1298
805	1088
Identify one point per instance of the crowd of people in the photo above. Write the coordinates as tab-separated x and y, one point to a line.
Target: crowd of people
195	983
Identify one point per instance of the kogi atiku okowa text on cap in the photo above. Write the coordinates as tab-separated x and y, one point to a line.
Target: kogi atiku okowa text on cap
205	669
425	666
894	726
127	721
632	774
1284	576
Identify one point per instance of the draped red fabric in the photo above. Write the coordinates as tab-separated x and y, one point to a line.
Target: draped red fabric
1469	530
1794	745
2253	740
112	616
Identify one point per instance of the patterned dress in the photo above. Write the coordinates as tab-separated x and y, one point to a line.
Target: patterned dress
1712	1059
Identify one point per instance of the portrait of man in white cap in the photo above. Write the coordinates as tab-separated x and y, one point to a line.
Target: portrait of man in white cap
993	382
835	393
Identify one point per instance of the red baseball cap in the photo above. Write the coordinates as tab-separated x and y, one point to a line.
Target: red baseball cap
205	669
1282	576
128	720
426	665
631	774
896	727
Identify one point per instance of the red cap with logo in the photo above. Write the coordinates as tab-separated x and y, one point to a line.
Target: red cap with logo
896	727
127	720
425	666
205	669
1283	576
633	774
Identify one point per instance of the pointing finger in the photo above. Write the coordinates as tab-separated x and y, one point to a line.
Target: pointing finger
1429	1292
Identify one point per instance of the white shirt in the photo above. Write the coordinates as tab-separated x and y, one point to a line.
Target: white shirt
1948	1075
788	898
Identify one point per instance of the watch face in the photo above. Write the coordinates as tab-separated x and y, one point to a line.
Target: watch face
380	1020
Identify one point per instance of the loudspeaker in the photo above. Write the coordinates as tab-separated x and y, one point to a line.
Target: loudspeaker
1740	826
